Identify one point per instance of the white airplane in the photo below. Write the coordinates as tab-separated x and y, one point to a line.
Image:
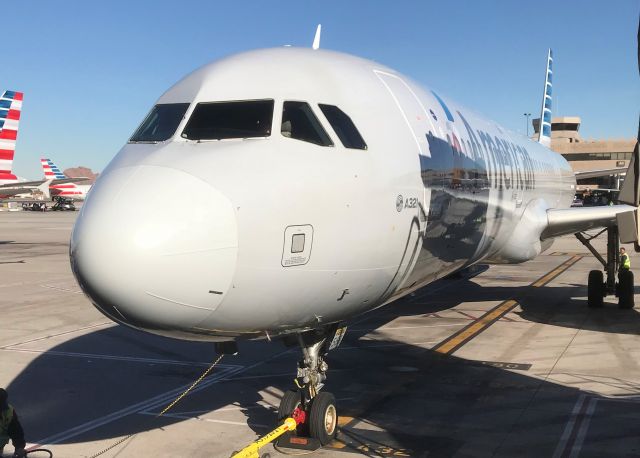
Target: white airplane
322	186
62	187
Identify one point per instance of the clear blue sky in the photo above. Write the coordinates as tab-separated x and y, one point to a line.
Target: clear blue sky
91	70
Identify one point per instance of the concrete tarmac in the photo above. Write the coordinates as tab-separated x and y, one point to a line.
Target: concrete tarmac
505	361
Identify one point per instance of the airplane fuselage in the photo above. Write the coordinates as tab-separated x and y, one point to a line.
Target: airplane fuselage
248	237
70	190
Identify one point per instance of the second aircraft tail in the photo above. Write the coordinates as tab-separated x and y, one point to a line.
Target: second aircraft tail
10	109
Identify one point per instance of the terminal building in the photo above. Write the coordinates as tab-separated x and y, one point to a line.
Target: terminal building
585	155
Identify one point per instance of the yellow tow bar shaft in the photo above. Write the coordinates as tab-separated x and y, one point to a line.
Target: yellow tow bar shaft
252	450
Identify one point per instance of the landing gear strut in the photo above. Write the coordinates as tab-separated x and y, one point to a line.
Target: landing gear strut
598	287
317	408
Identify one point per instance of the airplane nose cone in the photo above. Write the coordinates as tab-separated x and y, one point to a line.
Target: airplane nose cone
155	247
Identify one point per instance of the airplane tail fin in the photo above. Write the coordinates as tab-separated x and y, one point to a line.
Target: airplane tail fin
545	112
316	38
10	109
44	189
51	171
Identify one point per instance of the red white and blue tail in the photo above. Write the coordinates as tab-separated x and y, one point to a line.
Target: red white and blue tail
51	171
66	188
10	109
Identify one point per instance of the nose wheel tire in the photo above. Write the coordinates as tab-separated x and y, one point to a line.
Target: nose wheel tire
323	418
288	404
595	289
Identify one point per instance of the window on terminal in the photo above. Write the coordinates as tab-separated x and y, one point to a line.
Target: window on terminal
344	127
299	123
225	120
161	123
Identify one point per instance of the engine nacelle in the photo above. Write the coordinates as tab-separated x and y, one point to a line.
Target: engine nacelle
524	243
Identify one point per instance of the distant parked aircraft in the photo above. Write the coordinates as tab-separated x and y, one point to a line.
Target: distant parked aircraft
10	184
60	185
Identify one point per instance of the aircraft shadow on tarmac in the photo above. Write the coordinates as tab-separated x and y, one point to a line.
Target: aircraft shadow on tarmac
424	402
564	306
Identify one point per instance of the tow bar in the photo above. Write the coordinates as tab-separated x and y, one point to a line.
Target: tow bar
290	424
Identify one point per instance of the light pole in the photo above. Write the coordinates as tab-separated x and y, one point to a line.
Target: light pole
527	116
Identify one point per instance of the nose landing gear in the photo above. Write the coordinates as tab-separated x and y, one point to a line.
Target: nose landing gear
316	408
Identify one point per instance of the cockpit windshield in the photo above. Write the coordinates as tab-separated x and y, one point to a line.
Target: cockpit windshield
222	120
161	123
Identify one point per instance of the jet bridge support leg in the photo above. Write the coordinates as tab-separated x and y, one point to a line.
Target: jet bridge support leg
598	286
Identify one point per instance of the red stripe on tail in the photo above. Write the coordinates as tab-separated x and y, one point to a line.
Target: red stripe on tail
14	114
6	154
8	134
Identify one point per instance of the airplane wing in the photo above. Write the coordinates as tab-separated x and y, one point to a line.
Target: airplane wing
36	183
21	185
599	173
625	216
576	219
8	192
70	180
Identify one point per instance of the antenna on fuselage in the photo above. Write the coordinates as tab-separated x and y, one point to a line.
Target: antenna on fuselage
316	39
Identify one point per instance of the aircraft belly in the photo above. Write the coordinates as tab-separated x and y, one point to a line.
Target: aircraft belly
313	297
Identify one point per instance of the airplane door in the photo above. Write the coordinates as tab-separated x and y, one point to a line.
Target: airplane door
412	110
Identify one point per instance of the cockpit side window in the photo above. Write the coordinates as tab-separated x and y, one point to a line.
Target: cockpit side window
299	123
161	123
223	120
344	127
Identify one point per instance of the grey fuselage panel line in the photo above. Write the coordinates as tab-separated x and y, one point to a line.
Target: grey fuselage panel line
279	234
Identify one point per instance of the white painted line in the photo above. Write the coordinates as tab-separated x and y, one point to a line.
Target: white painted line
584	426
132	359
50	336
560	448
571	440
255	377
208	420
364	347
233	408
635	399
399	328
66	290
150	404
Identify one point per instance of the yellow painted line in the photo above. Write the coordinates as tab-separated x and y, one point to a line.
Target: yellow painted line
555	272
337	444
473	329
476	327
343	421
451	344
